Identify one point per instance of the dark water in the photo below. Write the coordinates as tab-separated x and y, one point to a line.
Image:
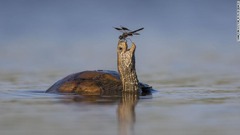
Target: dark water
184	105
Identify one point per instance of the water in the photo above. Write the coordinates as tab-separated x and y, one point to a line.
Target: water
184	105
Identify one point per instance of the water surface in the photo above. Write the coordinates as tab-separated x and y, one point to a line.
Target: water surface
184	105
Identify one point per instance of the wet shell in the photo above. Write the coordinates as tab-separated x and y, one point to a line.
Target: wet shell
99	82
88	83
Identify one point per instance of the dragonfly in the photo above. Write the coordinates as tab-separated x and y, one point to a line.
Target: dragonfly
127	32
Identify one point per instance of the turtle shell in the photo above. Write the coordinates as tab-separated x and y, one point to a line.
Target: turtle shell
98	82
88	83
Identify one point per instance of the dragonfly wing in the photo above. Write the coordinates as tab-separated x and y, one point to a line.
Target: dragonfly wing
117	28
136	34
125	28
137	30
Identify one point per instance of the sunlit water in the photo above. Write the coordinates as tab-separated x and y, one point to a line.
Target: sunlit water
184	105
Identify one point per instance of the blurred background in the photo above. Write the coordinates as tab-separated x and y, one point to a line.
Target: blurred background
188	51
70	36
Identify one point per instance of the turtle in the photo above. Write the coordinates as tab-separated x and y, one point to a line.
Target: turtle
106	82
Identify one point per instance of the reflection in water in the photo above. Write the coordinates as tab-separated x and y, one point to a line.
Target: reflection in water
213	110
126	113
125	110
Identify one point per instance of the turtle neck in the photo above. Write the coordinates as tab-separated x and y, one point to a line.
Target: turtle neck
126	67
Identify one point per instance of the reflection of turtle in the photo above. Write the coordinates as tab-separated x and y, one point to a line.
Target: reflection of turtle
101	82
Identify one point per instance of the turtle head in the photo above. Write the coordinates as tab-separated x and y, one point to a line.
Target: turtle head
122	46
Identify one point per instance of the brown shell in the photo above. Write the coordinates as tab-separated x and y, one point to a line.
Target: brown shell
89	83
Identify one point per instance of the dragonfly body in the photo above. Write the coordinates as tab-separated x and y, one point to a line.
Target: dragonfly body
126	32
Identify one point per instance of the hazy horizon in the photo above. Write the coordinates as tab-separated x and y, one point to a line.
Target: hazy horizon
78	35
